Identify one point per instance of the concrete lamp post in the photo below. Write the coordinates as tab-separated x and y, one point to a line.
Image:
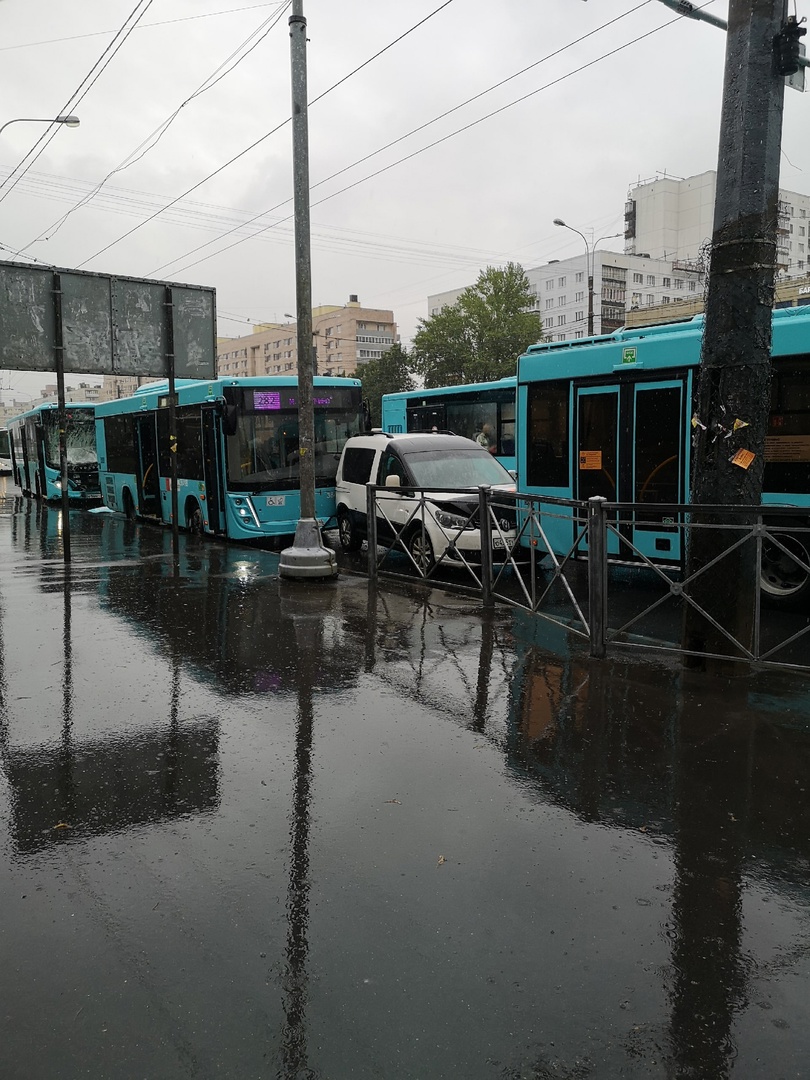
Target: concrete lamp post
67	120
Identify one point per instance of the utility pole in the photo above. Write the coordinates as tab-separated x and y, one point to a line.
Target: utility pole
735	368
307	557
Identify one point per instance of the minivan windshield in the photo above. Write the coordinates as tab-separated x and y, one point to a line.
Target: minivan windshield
456	469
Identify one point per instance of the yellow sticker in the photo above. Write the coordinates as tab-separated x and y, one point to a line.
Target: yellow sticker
590	459
743	458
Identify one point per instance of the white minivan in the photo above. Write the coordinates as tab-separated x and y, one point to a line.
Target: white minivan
431	524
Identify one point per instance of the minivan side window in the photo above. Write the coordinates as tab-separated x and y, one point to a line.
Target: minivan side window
391	465
357	464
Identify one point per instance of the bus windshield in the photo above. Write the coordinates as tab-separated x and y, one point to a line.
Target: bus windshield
80	439
263	452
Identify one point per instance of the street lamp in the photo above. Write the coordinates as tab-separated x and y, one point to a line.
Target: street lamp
67	120
590	250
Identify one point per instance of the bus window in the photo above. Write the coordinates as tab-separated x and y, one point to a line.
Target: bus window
548	459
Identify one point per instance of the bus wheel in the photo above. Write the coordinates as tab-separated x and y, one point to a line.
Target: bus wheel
350	540
784	583
129	505
194	520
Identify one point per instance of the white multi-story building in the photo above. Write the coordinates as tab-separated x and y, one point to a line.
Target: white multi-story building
620	282
670	218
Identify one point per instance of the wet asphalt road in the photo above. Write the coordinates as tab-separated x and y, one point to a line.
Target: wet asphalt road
255	828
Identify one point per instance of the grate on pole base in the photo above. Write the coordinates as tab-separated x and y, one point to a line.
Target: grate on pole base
307	558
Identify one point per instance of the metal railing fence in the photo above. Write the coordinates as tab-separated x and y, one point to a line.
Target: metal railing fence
600	585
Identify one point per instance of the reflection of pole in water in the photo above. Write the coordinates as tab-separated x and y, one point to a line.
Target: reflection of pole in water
708	985
481	704
67	696
294	982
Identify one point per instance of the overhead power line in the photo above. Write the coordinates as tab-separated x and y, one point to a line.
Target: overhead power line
143	26
267	135
429	146
78	94
150	142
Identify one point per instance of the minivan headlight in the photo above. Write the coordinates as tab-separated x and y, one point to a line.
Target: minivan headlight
452	521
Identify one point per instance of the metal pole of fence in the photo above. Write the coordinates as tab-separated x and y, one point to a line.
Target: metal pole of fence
371	530
485	527
597	575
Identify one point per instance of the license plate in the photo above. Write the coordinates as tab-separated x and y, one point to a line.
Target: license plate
276	500
497	542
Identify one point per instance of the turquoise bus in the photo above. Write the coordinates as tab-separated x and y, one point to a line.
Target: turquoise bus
35	463
5	452
484	410
614	416
237	453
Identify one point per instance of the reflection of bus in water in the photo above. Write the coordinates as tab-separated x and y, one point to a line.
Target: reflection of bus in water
483	411
614	416
222	612
237	453
5	452
35	452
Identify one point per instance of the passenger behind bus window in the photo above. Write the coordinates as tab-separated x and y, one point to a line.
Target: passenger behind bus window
486	438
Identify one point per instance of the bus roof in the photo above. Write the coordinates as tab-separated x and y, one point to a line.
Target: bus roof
664	345
196	390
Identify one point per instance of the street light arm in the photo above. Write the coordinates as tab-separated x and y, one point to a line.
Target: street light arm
690	11
66	120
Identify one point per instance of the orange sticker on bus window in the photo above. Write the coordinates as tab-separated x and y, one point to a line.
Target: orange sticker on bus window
743	458
590	459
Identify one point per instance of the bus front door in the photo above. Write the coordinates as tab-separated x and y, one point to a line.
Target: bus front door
659	458
212	472
632	447
597	444
148	470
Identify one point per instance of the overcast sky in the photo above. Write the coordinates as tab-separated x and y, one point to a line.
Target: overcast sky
445	135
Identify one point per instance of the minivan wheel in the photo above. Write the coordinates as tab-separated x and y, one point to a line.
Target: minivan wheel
350	539
421	551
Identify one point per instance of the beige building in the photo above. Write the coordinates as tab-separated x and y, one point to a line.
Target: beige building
794	292
345	338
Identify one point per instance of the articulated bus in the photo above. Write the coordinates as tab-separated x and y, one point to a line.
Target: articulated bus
613	416
237	453
462	410
35	461
5	452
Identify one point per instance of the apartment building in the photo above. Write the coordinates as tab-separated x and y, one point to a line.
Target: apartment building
620	282
673	218
344	338
789	292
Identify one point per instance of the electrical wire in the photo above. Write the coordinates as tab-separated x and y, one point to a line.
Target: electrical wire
151	141
79	94
272	131
422	150
145	26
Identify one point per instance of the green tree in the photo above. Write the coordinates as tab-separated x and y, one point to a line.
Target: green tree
388	375
480	336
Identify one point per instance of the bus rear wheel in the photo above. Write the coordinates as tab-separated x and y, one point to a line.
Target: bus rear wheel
194	520
783	581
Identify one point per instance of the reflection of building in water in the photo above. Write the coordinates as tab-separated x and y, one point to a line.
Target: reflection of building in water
95	787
